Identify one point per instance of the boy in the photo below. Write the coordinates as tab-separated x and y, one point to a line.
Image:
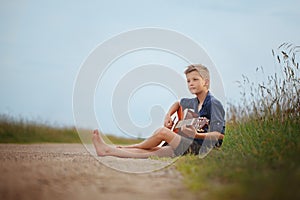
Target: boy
188	140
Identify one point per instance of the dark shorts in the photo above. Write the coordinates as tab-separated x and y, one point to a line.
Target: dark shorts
190	146
187	146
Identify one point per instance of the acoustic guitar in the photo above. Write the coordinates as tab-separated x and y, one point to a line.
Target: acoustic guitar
188	118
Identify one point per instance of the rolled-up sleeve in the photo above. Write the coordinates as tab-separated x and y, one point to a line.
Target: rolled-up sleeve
217	120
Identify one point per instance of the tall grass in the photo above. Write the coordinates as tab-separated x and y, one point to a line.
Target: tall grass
259	158
278	97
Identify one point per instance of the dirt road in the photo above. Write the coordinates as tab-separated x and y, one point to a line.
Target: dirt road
68	171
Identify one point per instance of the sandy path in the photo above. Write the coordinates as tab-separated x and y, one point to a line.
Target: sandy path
68	171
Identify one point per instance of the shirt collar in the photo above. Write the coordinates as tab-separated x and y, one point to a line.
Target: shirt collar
207	98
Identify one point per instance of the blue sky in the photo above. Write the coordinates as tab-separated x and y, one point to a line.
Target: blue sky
44	43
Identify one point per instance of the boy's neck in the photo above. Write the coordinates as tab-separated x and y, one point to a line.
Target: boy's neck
201	97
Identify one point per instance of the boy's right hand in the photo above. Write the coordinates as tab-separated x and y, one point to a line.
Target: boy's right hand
168	123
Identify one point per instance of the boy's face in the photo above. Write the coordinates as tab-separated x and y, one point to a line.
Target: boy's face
196	83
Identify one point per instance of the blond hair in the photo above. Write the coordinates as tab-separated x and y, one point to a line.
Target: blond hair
201	69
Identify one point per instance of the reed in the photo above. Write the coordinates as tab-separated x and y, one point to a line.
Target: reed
278	97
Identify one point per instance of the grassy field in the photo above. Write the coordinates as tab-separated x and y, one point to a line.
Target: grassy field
20	131
259	158
256	161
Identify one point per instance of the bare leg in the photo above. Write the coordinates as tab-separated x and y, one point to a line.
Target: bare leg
162	134
103	149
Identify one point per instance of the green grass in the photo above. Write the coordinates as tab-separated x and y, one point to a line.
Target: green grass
20	131
259	158
256	161
25	132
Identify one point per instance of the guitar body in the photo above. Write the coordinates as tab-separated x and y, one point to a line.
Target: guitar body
188	118
179	113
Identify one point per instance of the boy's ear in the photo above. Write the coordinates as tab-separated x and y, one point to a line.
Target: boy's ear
207	82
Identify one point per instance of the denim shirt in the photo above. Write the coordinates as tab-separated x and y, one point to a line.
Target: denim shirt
212	109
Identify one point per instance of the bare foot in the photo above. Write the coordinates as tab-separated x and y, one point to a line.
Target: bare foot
102	149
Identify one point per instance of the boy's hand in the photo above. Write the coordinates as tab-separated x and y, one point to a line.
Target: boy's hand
189	131
168	123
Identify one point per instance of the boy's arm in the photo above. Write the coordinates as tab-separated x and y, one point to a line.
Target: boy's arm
168	120
192	133
210	135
